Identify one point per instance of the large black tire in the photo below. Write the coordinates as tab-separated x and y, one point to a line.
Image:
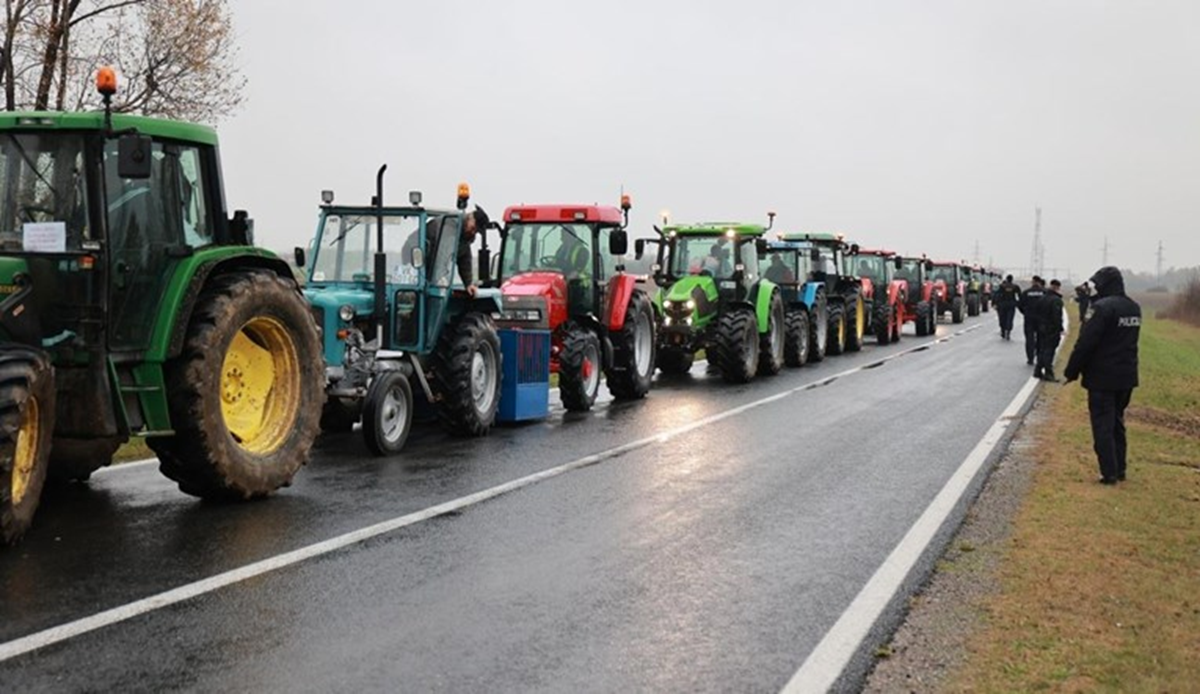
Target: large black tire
924	318
735	345
772	343
836	340
972	305
579	366
818	327
856	323
465	375
882	322
633	351
796	337
74	460
387	413
26	426
673	361
338	417
236	437
957	309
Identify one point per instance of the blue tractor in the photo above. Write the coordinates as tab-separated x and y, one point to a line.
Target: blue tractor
382	286
790	265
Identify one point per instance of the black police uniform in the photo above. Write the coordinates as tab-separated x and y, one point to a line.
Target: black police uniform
1106	354
1005	297
1028	306
1050	328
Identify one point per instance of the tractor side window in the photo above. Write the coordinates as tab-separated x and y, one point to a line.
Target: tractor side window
608	262
197	223
445	267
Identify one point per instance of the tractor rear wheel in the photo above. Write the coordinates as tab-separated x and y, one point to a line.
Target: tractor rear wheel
466	375
882	322
674	361
856	324
795	349
26	425
579	366
387	413
972	305
897	321
818	327
957	309
245	395
837	330
771	343
74	460
633	351
924	318
735	345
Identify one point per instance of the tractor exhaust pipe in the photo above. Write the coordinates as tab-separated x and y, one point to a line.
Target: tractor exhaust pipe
380	262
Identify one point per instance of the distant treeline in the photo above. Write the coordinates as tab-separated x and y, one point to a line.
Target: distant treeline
1173	280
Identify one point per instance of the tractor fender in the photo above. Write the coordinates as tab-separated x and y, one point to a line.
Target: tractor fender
867	289
189	280
895	295
616	300
810	293
762	304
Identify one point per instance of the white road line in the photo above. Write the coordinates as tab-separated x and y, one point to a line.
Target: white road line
53	635
831	656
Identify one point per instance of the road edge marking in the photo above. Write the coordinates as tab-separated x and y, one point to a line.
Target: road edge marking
824	665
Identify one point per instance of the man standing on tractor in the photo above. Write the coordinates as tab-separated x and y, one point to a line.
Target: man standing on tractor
472	223
1050	329
1028	306
1007	295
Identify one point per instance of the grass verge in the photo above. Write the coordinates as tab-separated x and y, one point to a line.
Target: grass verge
135	449
1098	588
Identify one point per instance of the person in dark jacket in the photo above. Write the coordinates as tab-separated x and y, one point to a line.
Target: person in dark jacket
1028	306
1106	355
1083	297
1050	329
472	223
1005	296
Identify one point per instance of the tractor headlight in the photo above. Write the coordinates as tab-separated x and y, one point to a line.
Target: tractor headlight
687	321
691	304
346	313
668	304
667	321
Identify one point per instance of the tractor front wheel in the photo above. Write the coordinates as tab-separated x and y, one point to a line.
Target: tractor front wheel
924	318
773	342
633	351
26	425
856	324
957	309
795	348
837	329
882	322
674	361
245	395
466	375
387	413
818	327
735	345
973	305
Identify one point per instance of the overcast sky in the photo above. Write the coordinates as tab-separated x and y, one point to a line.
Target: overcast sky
924	126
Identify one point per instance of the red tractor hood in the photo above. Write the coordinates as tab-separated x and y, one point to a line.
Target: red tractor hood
551	285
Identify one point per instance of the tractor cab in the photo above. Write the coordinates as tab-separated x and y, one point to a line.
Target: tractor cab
723	256
831	264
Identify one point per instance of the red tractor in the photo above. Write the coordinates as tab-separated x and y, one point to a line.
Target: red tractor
558	265
922	295
882	292
953	297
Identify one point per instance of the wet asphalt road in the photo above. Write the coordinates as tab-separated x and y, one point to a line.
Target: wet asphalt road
715	559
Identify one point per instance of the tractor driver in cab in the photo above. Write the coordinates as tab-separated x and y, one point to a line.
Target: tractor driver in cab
717	262
572	256
778	272
472	223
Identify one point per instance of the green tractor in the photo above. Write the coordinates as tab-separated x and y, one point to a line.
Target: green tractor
713	297
382	285
131	305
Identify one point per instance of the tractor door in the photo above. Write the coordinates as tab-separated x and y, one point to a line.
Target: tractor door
152	223
442	239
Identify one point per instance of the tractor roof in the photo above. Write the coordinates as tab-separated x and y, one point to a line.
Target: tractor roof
367	210
823	238
716	229
877	251
600	214
947	263
94	120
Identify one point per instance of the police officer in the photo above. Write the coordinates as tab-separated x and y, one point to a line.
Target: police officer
1028	308
1005	296
476	220
1106	355
1050	328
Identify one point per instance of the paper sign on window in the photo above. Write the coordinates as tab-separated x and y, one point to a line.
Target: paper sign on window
45	237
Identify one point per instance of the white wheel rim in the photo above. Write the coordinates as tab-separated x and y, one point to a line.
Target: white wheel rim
591	381
776	337
483	377
642	347
394	413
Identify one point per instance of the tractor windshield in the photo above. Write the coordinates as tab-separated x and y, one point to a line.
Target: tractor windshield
945	274
870	266
565	248
43	200
345	248
910	269
703	255
780	266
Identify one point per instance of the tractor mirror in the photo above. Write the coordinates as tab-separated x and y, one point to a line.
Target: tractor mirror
484	260
639	248
929	265
241	228
417	257
854	249
899	262
760	246
618	242
298	254
133	156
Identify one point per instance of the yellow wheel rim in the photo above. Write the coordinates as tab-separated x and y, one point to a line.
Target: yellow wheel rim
260	385
842	330
860	319
25	457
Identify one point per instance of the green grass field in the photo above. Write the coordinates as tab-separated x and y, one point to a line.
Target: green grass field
1099	585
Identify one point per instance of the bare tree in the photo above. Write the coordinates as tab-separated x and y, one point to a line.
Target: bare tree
176	58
